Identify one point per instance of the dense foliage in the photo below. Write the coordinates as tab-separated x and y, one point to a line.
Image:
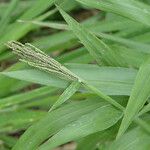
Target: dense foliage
80	73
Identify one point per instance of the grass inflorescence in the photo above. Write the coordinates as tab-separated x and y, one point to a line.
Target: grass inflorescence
36	58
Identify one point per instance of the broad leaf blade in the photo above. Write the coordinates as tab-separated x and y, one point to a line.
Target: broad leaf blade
98	120
92	141
49	125
110	80
35	77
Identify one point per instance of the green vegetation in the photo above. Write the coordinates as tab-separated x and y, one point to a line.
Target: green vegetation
75	71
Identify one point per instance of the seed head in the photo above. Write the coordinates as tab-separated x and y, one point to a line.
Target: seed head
37	58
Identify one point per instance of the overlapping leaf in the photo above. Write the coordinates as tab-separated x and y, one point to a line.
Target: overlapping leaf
112	81
49	125
134	10
135	139
97	48
139	95
98	120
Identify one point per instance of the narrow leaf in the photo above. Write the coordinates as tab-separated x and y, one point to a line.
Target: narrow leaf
130	43
18	119
139	95
69	91
17	30
54	25
24	97
135	139
7	15
134	9
98	49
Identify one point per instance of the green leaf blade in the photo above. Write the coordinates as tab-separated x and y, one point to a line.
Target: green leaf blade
98	120
7	15
139	95
110	80
69	91
34	136
98	49
135	139
133	10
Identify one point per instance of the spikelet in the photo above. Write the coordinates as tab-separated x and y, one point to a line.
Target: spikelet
36	58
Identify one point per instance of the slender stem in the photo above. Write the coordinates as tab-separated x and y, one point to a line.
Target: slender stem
103	96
